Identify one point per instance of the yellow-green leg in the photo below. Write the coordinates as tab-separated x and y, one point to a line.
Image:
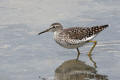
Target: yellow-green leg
95	42
78	54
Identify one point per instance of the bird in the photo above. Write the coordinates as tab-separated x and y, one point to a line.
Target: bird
75	37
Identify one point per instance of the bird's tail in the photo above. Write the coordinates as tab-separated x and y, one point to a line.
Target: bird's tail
97	29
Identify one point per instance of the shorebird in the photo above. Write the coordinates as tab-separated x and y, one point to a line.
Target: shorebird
74	37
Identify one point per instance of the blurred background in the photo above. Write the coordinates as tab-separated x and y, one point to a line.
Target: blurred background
26	56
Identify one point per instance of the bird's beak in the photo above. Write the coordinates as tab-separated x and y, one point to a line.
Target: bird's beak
44	31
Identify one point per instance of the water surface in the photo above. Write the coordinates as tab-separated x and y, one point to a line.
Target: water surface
26	56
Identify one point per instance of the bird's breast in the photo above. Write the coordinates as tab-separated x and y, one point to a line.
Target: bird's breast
66	42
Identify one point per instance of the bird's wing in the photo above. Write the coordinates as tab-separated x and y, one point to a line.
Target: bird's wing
82	34
77	33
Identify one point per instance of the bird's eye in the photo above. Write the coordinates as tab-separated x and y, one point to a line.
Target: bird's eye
53	26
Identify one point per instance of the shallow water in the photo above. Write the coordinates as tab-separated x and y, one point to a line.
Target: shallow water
26	56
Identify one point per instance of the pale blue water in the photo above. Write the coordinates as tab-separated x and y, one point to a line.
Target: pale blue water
26	56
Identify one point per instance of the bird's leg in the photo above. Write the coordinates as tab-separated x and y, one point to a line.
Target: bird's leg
78	54
95	42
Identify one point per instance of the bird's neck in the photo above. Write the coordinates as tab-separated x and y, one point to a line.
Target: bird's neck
56	33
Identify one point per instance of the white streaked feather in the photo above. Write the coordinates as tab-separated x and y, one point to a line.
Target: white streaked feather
76	41
88	38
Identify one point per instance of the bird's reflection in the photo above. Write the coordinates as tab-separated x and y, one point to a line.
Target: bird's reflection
72	70
94	63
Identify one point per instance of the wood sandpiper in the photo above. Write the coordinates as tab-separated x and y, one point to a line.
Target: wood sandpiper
74	37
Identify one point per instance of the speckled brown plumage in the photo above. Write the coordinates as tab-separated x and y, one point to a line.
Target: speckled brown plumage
82	32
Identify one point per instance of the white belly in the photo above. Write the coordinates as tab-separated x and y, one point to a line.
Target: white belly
69	46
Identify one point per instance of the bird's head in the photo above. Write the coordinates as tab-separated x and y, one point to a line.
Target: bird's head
53	27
